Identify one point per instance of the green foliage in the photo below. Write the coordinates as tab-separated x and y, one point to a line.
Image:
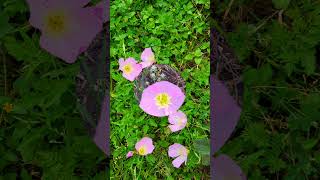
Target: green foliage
43	137
281	4
203	147
179	36
278	133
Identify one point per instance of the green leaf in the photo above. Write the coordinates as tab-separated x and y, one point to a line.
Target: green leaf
310	143
10	156
281	4
189	57
4	24
205	160
100	176
30	143
21	50
309	61
202	146
198	61
25	175
8	176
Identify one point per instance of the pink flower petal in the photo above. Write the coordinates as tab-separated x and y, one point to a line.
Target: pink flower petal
150	148
81	3
148	102
81	25
178	161
147	57
177	149
226	113
136	68
38	9
145	64
174	150
175	128
130	154
102	10
146	143
178	121
131	60
225	168
68	4
121	63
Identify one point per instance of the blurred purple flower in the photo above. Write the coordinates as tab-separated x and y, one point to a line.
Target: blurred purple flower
130	68
225	168
101	137
161	99
178	121
225	116
102	10
147	58
180	153
67	28
144	146
130	154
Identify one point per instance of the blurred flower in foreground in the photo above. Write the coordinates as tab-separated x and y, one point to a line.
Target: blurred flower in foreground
103	10
161	99
225	117
178	121
225	168
67	28
130	154
147	57
180	153
7	107
144	146
130	68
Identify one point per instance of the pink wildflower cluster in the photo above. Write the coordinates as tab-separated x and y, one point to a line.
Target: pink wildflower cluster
159	99
131	68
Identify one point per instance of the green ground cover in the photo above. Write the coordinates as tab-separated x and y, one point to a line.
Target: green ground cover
277	44
178	33
43	136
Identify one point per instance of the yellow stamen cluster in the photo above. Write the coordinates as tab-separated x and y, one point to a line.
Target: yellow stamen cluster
7	107
127	68
182	152
163	100
151	58
142	150
55	23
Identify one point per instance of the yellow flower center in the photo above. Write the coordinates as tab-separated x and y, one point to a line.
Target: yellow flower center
180	123
7	107
151	58
163	100
55	23
181	152
127	68
142	150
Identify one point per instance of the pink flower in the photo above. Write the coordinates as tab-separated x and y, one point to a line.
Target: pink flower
178	121
147	57
130	154
180	153
103	10
130	68
144	146
67	28
161	99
